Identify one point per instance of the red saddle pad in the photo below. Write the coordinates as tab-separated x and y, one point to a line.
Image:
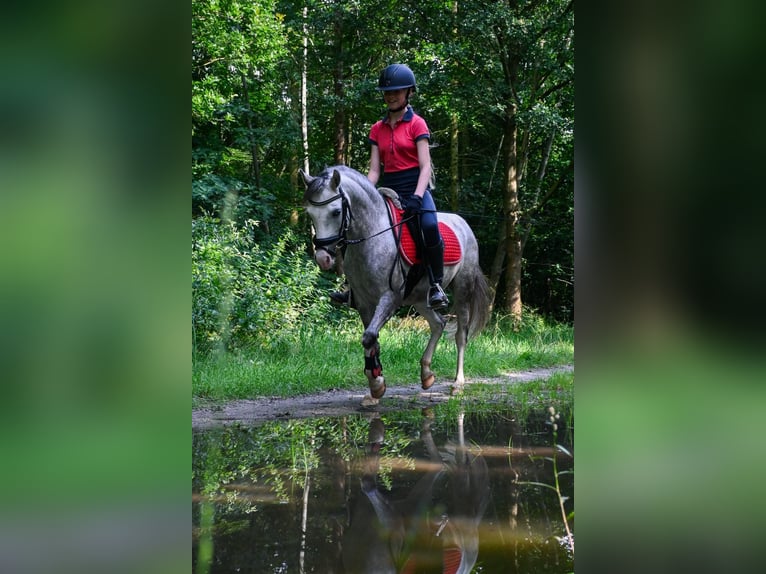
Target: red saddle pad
452	251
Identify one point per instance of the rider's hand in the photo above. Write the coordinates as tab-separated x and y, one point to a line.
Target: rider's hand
413	205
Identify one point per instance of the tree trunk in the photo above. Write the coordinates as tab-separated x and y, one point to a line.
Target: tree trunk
304	92
511	212
499	259
454	172
255	166
340	110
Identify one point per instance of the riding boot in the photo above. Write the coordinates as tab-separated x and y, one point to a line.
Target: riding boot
434	256
342	297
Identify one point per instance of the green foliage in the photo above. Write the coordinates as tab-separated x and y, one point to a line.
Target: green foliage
247	294
481	65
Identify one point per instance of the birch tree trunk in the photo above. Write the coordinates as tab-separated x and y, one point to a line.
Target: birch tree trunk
341	144
304	92
454	172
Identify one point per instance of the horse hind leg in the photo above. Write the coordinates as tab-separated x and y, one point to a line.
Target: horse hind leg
436	322
461	339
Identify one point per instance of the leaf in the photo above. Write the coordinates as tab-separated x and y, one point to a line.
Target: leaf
565	451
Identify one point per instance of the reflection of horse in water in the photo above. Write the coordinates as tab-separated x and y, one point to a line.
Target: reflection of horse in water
419	534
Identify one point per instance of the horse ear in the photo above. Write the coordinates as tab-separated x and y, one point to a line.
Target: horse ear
335	179
307	179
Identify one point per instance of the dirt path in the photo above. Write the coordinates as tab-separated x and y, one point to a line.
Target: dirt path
337	403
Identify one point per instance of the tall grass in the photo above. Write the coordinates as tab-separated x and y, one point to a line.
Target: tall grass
329	356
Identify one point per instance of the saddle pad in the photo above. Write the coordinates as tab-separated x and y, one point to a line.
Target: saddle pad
407	248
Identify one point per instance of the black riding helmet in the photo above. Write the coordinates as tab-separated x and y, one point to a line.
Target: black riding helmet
396	77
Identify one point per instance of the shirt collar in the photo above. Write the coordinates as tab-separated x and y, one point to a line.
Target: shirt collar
407	117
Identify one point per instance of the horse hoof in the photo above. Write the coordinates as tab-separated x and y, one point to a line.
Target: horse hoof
428	382
455	391
378	392
369	401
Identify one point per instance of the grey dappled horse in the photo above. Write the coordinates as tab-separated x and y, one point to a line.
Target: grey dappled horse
346	209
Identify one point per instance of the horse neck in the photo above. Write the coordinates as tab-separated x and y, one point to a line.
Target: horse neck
368	213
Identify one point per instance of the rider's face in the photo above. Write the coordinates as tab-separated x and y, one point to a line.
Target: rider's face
395	98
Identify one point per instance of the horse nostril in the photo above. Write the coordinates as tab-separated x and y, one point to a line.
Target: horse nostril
323	259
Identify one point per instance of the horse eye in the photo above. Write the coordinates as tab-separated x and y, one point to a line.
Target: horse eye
336	212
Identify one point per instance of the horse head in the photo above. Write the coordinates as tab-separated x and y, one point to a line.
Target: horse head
327	205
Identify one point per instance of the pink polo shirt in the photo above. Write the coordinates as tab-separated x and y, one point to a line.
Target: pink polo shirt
397	145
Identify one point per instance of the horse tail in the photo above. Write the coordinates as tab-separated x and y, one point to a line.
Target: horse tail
478	304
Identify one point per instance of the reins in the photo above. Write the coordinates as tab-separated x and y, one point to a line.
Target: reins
393	227
339	239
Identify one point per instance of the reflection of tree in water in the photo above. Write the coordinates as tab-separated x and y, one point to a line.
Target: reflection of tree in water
424	488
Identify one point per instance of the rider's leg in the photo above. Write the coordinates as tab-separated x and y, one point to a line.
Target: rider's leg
433	253
342	297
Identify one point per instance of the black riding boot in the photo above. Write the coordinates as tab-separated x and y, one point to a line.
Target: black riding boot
434	256
342	297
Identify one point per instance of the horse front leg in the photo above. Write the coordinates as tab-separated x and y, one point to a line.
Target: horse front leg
436	323
373	368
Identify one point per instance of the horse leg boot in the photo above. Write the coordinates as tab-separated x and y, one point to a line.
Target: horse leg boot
389	302
373	369
434	256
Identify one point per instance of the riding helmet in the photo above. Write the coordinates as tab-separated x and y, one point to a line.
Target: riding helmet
396	77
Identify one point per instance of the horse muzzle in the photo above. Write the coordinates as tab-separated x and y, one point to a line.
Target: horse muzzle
324	259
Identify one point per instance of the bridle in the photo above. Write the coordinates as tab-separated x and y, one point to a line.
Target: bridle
339	239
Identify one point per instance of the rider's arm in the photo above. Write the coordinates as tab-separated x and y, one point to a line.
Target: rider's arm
424	161
374	174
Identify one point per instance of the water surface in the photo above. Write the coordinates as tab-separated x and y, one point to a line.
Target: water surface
448	489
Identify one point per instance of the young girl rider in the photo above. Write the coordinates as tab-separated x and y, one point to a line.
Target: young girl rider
400	159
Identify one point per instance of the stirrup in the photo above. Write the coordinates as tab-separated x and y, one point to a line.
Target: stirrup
437	298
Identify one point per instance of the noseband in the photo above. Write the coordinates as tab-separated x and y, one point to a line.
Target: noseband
339	239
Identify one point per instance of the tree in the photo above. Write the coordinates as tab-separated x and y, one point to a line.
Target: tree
525	64
236	48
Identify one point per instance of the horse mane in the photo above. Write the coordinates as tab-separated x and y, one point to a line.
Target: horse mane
316	185
390	194
323	179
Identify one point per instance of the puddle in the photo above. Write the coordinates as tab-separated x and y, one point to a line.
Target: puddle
446	489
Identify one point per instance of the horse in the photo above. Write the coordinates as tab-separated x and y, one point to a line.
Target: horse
348	212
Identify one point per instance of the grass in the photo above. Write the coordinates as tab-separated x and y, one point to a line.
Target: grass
330	357
523	397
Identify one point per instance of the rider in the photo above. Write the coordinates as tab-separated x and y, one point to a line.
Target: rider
401	160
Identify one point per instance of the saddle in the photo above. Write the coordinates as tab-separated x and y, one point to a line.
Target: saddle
408	247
